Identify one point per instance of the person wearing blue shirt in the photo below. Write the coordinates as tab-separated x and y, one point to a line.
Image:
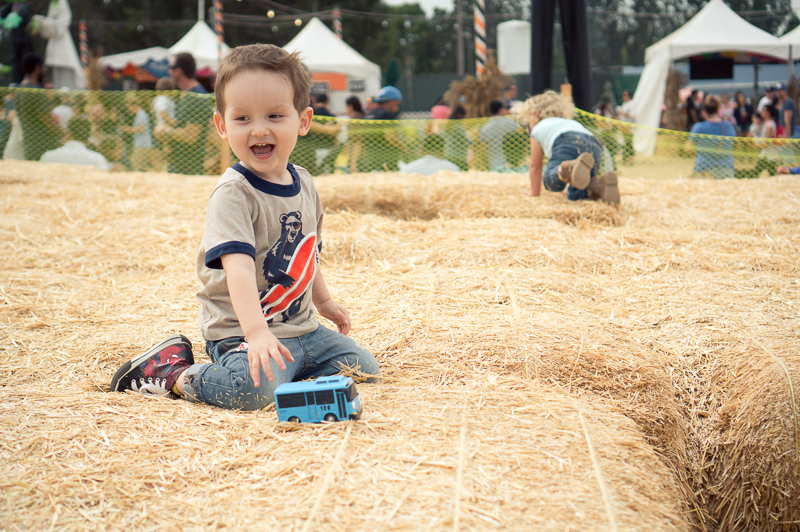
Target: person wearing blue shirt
714	154
788	115
794	170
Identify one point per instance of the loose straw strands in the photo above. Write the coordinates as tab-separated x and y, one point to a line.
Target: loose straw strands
537	308
612	519
326	484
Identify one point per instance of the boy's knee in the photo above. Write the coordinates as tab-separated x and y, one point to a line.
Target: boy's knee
368	367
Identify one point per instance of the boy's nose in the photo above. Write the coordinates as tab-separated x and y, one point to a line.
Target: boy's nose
260	128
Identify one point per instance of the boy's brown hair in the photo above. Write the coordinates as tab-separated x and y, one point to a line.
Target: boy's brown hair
264	57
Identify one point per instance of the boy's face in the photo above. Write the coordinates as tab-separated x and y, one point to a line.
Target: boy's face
261	122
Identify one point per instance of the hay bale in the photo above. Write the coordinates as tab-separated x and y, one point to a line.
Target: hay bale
454	281
753	478
493	455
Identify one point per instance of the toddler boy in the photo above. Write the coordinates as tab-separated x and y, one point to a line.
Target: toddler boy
258	260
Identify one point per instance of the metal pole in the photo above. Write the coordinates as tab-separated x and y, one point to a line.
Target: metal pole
460	39
755	85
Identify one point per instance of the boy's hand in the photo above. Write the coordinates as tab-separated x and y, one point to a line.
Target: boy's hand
261	347
336	313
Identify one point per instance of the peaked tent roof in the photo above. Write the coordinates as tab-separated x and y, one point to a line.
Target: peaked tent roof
322	51
202	42
792	38
717	28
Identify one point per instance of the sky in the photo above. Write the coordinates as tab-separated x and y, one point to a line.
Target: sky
427	5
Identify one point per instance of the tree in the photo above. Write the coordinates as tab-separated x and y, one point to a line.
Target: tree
622	29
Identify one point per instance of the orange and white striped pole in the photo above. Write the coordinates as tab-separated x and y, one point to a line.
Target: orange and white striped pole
218	29
83	40
480	37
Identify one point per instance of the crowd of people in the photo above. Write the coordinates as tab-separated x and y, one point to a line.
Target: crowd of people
714	120
171	130
142	132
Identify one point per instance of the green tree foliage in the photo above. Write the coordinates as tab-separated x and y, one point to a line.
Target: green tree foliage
622	29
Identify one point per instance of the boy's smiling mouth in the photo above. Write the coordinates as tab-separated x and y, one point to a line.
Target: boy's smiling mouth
262	150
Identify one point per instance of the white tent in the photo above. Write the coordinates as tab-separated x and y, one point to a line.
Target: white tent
137	57
200	41
793	40
715	28
332	61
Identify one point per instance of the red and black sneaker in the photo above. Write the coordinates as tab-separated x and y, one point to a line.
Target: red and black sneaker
155	372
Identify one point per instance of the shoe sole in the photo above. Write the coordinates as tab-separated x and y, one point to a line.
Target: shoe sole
128	366
582	170
610	189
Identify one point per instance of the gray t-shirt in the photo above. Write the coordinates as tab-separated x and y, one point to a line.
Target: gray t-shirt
492	133
279	226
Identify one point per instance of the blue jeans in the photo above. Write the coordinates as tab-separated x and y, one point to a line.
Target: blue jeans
567	147
227	383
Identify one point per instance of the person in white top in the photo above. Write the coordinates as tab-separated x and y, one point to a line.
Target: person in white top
767	99
140	131
61	56
573	153
63	113
163	106
74	151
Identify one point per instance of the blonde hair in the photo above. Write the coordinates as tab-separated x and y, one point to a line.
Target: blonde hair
549	104
264	57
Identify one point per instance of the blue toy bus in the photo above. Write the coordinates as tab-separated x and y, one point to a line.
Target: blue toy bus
325	399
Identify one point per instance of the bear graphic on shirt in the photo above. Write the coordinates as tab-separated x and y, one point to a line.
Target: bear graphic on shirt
288	268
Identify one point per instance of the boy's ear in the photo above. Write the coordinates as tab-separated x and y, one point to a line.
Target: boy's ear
305	120
220	123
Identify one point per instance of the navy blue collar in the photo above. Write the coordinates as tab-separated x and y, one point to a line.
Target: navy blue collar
267	187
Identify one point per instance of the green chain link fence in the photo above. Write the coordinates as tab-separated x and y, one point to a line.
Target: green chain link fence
184	140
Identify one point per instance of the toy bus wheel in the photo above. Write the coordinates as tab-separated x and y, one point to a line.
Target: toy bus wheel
330	417
294	419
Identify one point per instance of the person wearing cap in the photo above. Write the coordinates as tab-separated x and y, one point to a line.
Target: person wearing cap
788	111
387	103
380	147
767	99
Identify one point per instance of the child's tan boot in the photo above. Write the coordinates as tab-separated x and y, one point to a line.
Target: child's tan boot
578	171
605	188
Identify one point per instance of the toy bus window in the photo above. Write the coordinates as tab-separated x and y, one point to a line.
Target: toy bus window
324	397
350	392
291	400
310	397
